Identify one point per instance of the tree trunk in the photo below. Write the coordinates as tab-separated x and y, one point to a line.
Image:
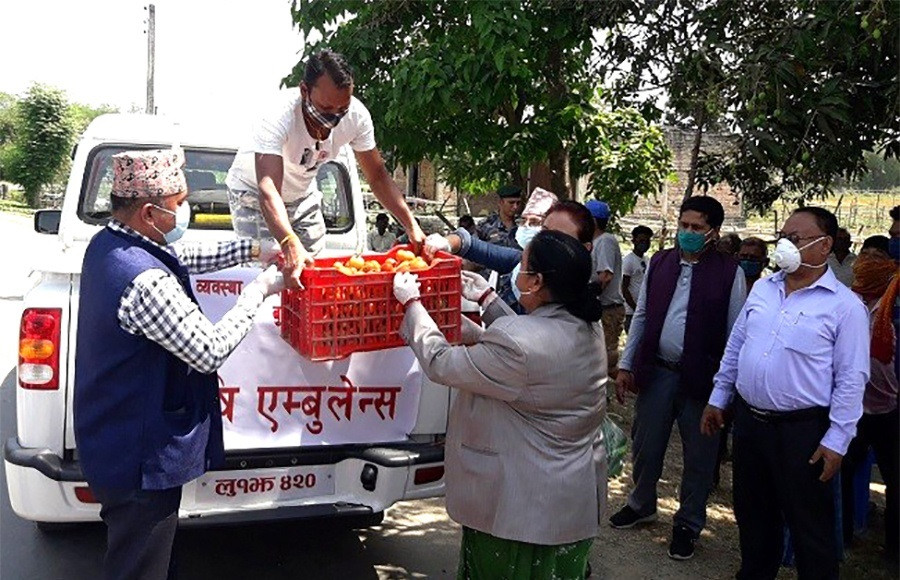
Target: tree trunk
559	173
695	153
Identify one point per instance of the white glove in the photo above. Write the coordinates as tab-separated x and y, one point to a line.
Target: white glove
270	281
406	287
435	243
269	250
473	285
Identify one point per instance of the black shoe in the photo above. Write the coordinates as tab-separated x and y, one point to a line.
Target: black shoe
627	517
682	546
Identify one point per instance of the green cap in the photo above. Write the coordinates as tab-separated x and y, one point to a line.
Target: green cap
509	191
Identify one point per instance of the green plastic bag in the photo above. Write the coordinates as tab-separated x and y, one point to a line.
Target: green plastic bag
616	444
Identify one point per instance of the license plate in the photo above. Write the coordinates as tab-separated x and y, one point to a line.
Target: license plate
265	485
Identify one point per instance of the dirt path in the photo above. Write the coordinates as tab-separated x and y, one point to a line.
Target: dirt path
641	552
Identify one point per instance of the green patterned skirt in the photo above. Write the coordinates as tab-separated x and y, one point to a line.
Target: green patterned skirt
486	557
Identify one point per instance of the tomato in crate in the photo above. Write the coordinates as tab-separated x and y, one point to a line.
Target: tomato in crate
348	305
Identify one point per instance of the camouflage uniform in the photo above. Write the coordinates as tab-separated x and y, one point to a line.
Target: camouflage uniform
492	230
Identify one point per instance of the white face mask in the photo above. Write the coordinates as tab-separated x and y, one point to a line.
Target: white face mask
787	255
513	279
524	235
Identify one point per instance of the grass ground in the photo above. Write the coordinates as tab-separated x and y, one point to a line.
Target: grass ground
863	213
14	202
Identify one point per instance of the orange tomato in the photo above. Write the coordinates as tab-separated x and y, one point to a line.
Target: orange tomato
405	255
356	262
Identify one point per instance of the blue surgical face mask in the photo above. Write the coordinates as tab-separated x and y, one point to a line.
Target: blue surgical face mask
691	242
182	219
751	268
524	235
894	248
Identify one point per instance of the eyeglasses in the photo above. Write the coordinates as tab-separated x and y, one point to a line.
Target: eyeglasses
529	221
794	238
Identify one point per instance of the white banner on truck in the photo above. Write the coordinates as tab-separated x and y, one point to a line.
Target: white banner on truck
273	397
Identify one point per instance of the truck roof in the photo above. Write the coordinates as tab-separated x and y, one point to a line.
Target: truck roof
163	130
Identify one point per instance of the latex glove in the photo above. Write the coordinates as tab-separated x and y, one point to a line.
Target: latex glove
406	287
270	281
435	243
269	251
295	259
474	286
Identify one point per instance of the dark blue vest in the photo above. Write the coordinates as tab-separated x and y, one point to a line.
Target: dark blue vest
706	327
143	418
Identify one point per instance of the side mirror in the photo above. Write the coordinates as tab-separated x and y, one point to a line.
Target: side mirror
46	221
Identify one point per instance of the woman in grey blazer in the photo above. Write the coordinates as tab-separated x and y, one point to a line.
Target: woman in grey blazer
526	470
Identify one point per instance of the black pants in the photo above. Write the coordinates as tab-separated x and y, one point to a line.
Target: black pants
141	528
774	483
881	433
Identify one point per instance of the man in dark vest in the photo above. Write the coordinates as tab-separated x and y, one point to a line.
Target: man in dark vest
690	298
147	414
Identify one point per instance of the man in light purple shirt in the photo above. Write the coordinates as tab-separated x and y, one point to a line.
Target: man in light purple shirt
794	371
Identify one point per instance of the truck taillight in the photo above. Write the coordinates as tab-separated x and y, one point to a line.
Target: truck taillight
39	336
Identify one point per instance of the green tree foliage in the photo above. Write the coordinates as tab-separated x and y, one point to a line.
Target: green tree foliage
486	89
625	156
41	141
813	85
37	133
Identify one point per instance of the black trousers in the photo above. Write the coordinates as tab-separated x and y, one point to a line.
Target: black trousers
774	483
141	528
881	433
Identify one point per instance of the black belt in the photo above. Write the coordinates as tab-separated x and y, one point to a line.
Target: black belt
675	367
767	416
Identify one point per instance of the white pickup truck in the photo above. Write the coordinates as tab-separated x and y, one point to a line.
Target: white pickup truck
304	439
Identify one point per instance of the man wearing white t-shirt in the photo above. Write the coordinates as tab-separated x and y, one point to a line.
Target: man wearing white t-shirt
634	265
271	184
607	258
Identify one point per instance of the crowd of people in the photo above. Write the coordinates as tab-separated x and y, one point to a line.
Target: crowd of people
712	341
801	363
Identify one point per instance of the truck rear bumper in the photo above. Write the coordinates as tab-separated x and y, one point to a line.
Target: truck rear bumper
42	485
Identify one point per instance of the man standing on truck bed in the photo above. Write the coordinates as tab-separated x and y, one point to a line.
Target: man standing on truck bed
272	189
147	415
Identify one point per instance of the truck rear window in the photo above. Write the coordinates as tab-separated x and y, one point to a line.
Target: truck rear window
205	171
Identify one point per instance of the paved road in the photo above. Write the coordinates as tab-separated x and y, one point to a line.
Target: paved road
416	540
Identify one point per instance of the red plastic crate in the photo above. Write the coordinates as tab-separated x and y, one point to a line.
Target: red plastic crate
336	315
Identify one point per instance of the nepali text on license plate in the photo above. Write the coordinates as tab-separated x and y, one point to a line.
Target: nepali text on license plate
264	485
